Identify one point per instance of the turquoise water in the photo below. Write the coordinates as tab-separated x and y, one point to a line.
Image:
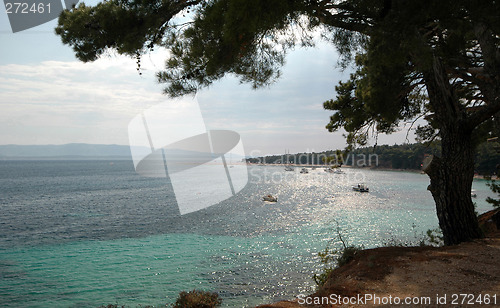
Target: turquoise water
83	234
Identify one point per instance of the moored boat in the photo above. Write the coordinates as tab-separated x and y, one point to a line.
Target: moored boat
361	188
269	198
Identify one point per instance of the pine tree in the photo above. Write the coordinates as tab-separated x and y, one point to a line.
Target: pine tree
438	60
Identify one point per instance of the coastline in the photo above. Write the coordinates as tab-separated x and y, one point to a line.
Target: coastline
476	176
433	276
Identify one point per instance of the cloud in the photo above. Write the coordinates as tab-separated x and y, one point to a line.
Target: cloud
69	101
90	100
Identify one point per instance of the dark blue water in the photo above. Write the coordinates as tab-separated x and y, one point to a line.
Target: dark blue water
49	202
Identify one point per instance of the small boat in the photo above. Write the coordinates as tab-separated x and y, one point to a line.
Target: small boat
361	188
329	170
269	198
289	168
473	194
338	171
304	170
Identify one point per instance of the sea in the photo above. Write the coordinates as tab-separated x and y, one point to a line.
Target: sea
92	233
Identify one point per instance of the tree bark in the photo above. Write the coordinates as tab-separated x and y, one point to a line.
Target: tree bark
451	180
451	174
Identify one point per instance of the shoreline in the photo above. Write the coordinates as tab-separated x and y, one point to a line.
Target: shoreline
476	176
433	274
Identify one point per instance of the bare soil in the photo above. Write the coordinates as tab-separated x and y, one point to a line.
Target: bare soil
421	274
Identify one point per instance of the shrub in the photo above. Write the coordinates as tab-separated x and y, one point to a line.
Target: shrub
331	256
435	237
323	277
197	299
118	306
495	187
347	255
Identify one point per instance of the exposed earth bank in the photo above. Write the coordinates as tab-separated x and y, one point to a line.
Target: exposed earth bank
465	275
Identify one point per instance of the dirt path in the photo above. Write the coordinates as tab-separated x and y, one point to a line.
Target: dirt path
472	269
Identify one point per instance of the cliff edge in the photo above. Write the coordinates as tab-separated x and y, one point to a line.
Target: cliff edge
463	275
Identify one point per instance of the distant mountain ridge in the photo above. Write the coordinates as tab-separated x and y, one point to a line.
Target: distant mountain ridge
71	150
84	151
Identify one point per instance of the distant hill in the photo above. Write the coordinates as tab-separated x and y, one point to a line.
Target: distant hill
65	151
83	151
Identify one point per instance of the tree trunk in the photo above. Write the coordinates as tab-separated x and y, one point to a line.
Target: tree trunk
452	174
451	181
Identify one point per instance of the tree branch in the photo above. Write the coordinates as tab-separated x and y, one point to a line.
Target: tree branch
483	114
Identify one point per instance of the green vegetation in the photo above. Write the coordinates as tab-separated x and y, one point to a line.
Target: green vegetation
120	306
332	258
487	158
432	237
418	61
495	187
328	258
436	61
191	299
197	299
406	156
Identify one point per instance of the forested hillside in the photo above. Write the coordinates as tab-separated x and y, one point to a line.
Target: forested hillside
407	156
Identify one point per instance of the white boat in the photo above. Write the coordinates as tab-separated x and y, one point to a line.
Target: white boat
269	198
304	170
289	168
473	194
361	188
334	170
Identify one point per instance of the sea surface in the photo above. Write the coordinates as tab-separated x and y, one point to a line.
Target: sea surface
91	233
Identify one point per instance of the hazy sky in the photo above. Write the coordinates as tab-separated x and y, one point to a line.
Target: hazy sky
48	97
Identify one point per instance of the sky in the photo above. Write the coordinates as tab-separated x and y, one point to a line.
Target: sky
47	96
